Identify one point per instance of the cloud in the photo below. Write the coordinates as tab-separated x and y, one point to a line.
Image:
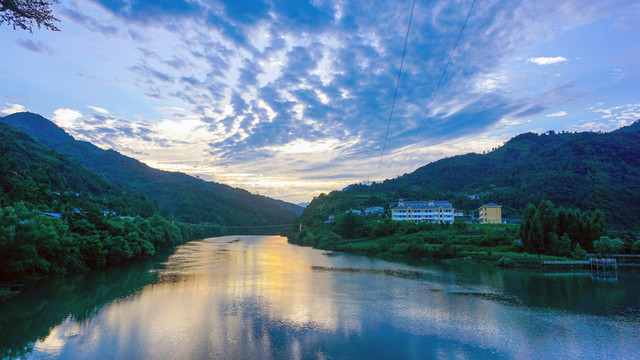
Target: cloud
610	118
66	118
98	109
12	109
37	47
547	60
306	87
89	22
151	74
557	114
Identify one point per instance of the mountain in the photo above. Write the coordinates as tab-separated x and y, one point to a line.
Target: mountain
58	217
189	199
586	170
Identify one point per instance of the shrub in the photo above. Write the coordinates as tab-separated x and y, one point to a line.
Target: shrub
445	251
635	248
517	246
608	246
506	262
578	252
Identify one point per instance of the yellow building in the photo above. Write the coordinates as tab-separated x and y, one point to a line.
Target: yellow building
490	213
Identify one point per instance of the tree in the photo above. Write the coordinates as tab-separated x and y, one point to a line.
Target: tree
605	245
26	13
350	225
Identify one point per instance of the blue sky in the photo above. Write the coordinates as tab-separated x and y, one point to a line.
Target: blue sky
293	98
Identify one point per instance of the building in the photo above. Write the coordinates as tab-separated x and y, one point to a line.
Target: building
423	211
490	213
374	210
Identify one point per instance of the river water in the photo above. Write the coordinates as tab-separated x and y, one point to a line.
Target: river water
258	297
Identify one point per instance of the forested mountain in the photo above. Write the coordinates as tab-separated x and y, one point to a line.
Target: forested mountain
189	199
583	170
58	217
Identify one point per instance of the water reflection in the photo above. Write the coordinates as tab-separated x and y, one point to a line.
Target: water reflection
259	297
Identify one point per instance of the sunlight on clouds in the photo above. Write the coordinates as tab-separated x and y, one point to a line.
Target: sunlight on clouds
303	146
409	158
177	128
12	109
66	118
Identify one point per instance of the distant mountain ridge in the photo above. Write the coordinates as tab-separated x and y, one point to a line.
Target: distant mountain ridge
187	198
586	170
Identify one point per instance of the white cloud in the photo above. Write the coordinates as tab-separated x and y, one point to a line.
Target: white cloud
610	119
547	60
557	114
12	109
66	118
99	109
490	82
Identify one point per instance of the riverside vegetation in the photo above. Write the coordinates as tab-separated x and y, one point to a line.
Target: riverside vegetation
67	206
58	217
574	193
547	233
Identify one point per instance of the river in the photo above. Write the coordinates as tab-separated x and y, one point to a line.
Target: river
258	297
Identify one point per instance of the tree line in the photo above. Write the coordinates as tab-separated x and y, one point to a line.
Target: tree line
92	223
546	229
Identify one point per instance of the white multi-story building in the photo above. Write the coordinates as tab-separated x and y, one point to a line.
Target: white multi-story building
418	211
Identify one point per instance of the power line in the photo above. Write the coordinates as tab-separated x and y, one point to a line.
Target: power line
395	94
415	137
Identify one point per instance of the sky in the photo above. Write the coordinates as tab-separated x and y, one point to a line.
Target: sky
289	99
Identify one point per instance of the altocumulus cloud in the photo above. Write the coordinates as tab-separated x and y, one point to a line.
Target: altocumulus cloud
301	90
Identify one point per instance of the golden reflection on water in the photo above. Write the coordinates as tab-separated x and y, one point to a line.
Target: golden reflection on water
224	298
251	272
207	295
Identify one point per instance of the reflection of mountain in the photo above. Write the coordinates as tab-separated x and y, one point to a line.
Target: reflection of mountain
187	198
32	314
262	298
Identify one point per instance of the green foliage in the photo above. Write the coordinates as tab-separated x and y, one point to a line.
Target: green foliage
350	226
578	253
445	251
605	246
505	262
560	246
180	196
636	247
546	230
573	170
88	234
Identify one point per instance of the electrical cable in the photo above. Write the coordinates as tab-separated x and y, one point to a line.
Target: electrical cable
395	94
440	81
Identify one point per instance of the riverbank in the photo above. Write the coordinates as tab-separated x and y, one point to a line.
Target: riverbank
245	297
495	244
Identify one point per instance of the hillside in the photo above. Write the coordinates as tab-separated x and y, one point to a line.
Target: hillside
58	217
575	170
189	199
